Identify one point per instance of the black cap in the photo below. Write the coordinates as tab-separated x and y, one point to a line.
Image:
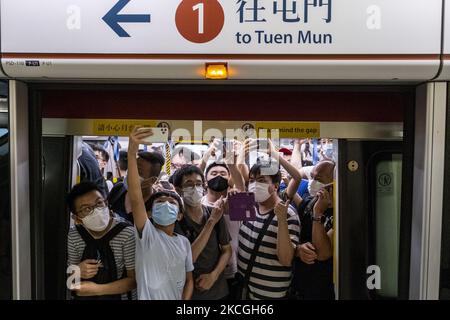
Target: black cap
152	157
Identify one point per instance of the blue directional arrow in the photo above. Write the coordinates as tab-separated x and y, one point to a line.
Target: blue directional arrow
112	18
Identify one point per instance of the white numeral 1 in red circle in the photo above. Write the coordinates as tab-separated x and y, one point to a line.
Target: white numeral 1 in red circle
199	7
199	21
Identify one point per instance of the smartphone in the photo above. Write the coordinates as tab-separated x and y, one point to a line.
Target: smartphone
166	185
227	147
159	135
242	206
263	144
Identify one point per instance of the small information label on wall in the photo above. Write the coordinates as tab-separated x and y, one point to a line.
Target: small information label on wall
385	182
113	127
291	129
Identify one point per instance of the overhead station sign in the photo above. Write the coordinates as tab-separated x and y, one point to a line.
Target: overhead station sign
221	26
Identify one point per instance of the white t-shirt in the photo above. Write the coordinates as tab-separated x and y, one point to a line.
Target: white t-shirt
233	229
162	262
307	170
110	185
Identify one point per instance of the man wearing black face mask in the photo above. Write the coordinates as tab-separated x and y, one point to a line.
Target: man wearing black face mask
218	178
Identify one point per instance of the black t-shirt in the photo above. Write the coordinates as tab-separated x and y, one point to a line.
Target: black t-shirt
315	281
90	170
116	200
208	259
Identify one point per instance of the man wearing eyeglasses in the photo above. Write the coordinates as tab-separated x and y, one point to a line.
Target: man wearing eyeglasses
101	248
208	233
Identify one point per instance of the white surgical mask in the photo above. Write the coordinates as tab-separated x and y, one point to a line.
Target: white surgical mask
314	186
261	191
193	195
98	220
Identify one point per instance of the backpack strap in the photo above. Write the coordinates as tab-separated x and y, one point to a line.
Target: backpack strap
111	235
102	245
85	235
115	231
255	250
88	238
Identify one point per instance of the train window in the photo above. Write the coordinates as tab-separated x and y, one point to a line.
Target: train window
5	213
386	215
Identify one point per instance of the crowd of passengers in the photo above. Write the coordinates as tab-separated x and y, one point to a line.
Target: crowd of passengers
158	236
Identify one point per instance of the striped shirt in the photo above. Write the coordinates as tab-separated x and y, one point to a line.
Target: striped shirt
268	279
123	247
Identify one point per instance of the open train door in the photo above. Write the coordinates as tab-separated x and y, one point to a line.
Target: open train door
365	122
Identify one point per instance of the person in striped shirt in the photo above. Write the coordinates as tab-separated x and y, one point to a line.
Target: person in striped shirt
102	276
271	274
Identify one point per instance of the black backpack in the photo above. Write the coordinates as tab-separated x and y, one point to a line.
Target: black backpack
99	249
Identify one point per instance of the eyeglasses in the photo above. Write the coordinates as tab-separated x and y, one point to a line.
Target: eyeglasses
86	211
192	184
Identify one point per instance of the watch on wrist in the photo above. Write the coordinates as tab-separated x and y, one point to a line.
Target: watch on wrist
320	219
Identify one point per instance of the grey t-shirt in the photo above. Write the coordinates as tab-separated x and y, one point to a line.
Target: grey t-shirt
208	259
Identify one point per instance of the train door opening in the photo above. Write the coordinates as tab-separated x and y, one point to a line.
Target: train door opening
365	131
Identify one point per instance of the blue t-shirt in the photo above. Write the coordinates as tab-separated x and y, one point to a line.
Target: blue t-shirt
302	188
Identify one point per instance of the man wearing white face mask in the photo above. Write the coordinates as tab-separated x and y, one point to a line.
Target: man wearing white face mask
267	245
313	267
101	246
208	233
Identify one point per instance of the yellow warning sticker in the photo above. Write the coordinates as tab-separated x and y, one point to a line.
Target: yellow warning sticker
114	127
291	129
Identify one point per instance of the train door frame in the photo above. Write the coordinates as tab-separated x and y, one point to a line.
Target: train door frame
20	190
5	197
445	242
428	190
430	124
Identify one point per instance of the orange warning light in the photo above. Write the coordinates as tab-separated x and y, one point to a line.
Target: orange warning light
216	71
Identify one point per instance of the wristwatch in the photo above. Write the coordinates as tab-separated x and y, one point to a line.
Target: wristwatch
320	219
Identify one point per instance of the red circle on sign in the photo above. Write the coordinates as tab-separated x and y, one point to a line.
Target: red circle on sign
199	21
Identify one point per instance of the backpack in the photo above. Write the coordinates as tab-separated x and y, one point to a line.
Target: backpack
100	249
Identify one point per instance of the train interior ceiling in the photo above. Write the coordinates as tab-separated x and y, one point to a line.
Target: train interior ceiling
363	130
